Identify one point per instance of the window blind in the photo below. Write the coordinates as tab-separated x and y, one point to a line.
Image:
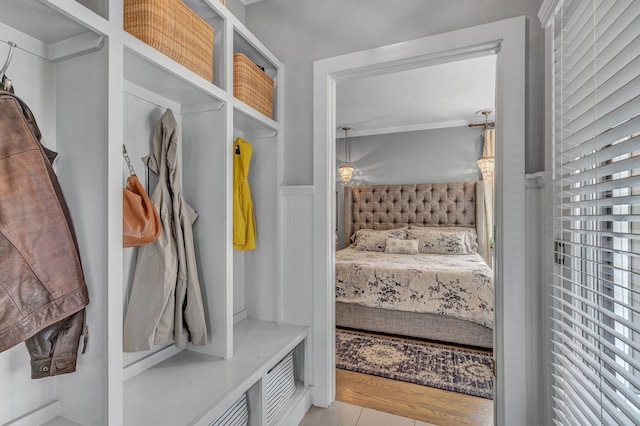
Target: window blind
595	277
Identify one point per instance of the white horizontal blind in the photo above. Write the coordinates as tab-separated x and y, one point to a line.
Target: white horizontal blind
595	279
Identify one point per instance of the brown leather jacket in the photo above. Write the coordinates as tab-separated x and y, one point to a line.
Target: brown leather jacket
42	289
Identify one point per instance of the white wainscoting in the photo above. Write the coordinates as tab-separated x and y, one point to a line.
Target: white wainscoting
296	267
535	232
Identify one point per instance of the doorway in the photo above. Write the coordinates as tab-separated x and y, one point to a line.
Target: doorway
507	40
415	127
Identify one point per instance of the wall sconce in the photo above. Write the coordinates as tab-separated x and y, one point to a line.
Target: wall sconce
346	170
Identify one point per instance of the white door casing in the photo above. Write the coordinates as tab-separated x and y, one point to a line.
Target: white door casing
507	39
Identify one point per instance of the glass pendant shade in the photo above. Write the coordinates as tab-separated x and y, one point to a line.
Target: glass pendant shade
346	172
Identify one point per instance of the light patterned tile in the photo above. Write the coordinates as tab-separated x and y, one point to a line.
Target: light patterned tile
419	423
371	417
338	414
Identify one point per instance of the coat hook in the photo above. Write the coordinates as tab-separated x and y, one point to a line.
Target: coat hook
12	46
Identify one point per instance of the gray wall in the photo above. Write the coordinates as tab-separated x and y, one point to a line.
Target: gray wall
299	32
440	155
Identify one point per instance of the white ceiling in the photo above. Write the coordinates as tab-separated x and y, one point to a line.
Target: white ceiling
437	96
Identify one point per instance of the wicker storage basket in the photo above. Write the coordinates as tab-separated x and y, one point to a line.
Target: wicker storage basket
251	85
175	30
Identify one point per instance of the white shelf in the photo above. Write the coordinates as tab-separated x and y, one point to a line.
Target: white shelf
250	119
44	23
193	388
156	72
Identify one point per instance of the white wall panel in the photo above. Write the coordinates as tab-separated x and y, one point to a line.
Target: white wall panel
534	288
261	263
34	82
297	215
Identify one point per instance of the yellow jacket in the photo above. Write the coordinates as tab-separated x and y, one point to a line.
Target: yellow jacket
244	224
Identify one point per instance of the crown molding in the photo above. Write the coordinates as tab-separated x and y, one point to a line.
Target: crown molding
407	128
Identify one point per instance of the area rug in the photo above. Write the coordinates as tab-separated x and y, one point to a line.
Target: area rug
456	370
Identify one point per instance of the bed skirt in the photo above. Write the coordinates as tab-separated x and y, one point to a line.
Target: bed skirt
413	324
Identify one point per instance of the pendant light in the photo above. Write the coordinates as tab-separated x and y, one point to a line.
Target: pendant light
346	170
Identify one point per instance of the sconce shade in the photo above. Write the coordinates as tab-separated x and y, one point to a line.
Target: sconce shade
346	172
486	166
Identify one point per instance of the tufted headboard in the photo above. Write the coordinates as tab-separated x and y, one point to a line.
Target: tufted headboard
424	204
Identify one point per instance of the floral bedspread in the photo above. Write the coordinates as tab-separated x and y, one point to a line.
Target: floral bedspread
454	285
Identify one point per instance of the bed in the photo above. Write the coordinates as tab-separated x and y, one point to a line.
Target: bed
444	291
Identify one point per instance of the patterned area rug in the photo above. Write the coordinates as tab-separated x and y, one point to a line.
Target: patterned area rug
456	370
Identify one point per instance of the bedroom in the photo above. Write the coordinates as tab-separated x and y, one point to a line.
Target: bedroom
408	127
380	25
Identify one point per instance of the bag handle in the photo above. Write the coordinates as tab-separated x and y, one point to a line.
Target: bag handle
125	154
132	172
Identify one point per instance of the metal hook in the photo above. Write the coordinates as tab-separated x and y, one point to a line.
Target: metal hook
12	47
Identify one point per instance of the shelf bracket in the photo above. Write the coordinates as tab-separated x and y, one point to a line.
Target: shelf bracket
201	107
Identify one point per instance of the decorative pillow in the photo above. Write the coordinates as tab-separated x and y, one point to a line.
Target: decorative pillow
471	237
439	242
396	246
375	240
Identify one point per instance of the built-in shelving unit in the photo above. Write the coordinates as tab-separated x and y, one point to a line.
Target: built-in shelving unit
92	86
194	388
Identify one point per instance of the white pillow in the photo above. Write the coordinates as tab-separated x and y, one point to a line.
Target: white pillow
431	241
396	246
375	240
471	237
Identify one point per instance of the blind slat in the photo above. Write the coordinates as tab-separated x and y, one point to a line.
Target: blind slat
580	374
608	298
628	376
608	152
594	282
605	138
605	105
602	171
621	23
601	218
578	90
621	235
629	200
578	390
612	119
578	19
603	88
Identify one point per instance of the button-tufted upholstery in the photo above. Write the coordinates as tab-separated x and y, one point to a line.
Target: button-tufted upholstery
426	204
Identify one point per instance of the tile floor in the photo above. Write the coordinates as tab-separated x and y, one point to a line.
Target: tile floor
343	414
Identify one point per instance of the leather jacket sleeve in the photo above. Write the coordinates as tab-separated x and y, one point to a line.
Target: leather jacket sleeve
53	350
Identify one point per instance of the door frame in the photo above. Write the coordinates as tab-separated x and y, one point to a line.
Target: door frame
506	39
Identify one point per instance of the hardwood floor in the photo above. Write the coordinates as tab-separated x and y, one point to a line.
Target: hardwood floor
418	402
414	401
